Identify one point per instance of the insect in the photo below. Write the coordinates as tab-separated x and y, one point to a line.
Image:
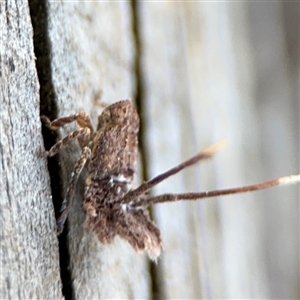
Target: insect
110	153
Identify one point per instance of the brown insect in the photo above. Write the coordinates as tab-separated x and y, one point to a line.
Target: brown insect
111	206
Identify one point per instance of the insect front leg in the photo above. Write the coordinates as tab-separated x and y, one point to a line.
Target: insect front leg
67	203
82	119
83	136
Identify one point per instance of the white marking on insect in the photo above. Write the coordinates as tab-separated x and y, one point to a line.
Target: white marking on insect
120	178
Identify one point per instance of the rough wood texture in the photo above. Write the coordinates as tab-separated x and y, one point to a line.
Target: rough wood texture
29	247
205	72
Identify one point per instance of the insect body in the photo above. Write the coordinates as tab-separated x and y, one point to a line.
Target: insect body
110	154
112	167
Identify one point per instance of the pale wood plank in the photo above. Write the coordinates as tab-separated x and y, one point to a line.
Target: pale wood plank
200	85
274	36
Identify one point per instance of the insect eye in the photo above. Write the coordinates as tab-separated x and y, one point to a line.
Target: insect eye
103	119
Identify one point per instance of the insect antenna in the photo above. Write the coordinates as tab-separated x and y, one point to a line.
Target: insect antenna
143	188
144	202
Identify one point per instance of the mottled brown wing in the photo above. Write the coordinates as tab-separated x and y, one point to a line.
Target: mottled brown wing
108	217
138	229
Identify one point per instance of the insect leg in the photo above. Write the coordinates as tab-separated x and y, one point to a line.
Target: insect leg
67	203
82	119
83	134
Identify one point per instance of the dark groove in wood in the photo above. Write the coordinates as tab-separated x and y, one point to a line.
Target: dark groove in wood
156	286
48	107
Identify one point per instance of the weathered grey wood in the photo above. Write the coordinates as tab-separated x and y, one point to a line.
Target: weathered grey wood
202	80
92	53
29	247
211	71
274	36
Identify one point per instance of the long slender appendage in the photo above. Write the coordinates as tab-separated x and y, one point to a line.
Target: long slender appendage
82	119
67	203
80	134
143	188
144	202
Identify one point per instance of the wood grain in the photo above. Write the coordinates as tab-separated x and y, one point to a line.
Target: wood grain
29	247
201	72
91	61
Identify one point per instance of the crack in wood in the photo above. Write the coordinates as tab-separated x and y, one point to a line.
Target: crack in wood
156	284
42	49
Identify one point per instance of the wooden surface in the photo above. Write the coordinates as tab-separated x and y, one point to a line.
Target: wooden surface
29	247
209	75
201	73
87	62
